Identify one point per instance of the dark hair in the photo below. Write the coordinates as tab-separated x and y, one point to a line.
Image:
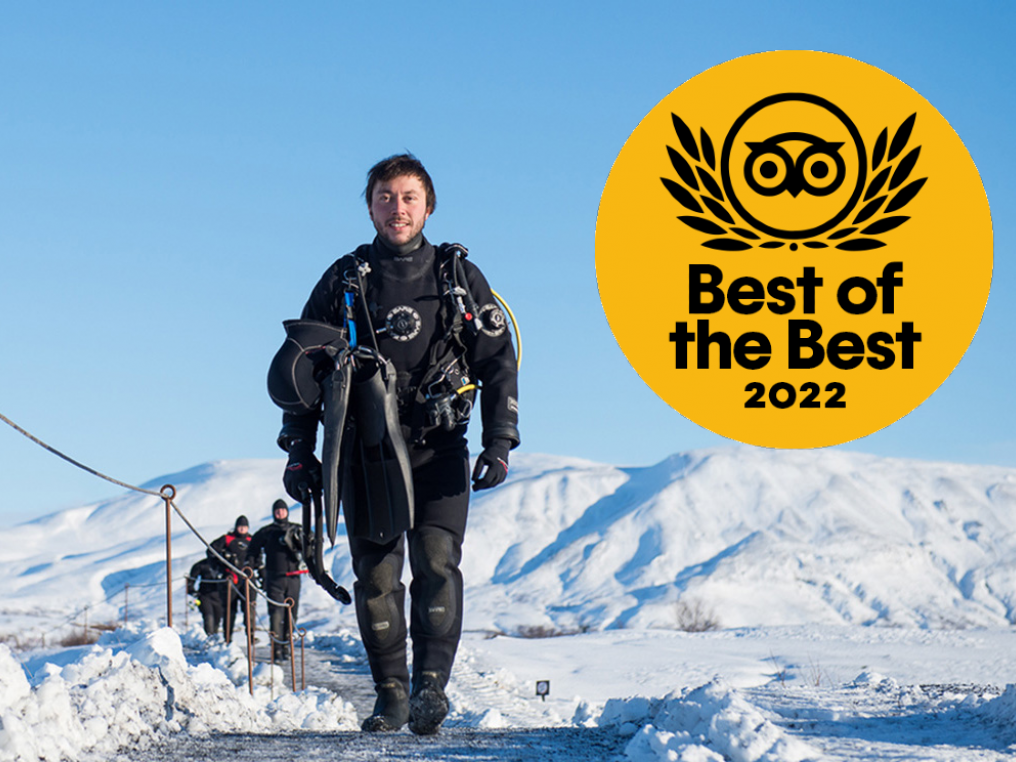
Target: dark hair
397	166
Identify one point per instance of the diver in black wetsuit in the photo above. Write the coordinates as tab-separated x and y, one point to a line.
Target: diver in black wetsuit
233	547
204	582
439	351
283	565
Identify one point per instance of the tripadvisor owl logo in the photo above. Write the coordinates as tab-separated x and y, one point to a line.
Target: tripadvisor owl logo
816	261
794	168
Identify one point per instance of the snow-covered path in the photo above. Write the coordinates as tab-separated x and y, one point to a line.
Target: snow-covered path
323	669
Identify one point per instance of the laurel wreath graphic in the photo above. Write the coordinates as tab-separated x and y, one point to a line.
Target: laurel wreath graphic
699	191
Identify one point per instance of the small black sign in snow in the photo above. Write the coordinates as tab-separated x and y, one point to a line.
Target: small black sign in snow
543	689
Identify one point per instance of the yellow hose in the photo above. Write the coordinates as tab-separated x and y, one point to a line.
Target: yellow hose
515	325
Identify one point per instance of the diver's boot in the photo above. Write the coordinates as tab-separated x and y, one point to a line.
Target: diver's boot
391	709
428	705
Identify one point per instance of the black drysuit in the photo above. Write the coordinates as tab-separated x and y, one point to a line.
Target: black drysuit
280	542
408	308
233	547
206	581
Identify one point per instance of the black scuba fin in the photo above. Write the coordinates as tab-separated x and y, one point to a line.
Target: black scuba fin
335	396
377	483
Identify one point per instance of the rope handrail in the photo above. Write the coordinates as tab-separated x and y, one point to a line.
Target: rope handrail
73	462
65	620
162	495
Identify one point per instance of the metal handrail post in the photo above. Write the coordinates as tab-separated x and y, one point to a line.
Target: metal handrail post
303	659
292	649
227	613
168	492
249	626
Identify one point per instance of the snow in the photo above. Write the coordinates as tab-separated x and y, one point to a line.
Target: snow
712	723
853	682
753	537
124	695
864	609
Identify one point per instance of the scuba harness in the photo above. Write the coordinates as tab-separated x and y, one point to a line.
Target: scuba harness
443	397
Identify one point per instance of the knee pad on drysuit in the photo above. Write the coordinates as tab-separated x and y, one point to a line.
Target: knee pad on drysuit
434	555
380	601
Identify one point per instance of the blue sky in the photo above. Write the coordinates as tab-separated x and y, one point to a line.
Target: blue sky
175	177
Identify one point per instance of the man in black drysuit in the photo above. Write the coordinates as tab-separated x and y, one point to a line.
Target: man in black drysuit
233	547
281	544
205	582
410	311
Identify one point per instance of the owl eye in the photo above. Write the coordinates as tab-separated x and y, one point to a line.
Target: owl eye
821	168
767	169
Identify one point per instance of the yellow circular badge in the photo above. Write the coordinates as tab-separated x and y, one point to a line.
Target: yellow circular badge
794	249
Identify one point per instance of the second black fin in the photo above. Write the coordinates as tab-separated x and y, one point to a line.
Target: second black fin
377	483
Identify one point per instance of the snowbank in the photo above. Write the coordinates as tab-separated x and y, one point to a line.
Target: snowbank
1002	711
713	723
100	699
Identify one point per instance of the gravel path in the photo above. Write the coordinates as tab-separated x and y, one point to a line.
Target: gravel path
351	680
543	744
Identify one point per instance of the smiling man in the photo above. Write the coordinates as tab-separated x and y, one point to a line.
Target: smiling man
399	207
430	315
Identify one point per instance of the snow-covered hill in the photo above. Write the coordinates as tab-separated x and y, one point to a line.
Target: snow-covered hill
757	536
743	536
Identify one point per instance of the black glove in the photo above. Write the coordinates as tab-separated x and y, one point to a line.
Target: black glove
303	471
494	459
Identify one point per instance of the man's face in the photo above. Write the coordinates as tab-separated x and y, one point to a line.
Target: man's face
398	209
281	514
242	528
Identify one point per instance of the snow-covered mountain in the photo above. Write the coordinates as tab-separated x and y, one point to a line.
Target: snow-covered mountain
756	536
742	536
